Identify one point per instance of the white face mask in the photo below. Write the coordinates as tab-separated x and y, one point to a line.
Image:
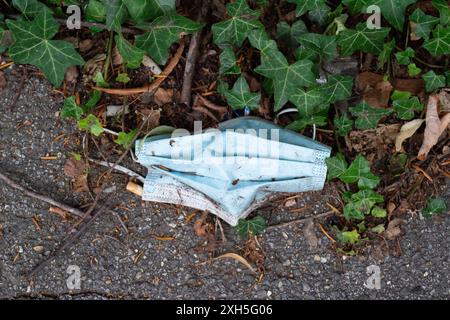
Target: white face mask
232	170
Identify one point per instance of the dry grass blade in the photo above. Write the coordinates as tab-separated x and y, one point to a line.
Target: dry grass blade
234	256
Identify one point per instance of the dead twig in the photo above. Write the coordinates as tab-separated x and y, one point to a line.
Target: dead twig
211	105
152	86
302	220
206	111
191	60
41	197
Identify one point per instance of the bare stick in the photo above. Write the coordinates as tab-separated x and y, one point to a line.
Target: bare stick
191	60
41	197
152	86
289	223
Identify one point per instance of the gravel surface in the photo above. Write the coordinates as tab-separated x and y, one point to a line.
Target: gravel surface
138	264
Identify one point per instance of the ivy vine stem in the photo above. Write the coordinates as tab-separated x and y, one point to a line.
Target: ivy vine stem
108	56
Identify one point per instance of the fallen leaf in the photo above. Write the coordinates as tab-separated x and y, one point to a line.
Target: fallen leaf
393	230
376	91
71	75
62	213
434	128
200	227
76	170
371	79
163	96
117	59
406	131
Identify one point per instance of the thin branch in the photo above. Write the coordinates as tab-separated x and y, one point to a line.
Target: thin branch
41	197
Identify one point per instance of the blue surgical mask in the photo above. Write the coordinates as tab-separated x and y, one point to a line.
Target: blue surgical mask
232	170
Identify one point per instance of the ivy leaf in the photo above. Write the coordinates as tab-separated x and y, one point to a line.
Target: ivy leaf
434	206
91	124
405	107
403	57
254	226
260	40
307	101
394	11
303	121
348	236
433	81
290	33
378	212
336	166
228	63
440	43
378	228
141	10
130	54
123	77
286	77
343	124
385	54
240	96
71	109
31	8
364	200
234	30
33	45
323	45
116	14
125	139
424	23
320	15
163	32
367	117
444	11
359	171
95	11
94	98
362	38
356	6
413	70
337	88
304	6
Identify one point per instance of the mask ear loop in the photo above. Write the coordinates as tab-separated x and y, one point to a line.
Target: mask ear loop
289	110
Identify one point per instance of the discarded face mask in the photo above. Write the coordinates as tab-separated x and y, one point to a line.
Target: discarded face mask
232	170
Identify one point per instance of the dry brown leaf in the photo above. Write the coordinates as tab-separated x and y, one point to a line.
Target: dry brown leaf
407	131
393	230
435	127
236	257
76	170
200	227
371	79
2	80
163	96
117	59
71	75
376	91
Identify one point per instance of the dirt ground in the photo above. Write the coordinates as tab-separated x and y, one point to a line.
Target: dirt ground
138	264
